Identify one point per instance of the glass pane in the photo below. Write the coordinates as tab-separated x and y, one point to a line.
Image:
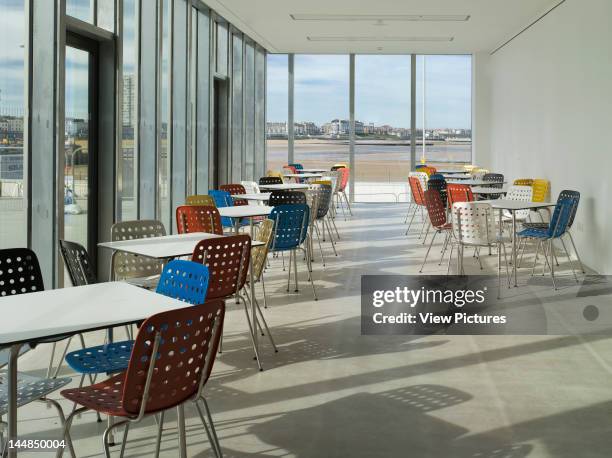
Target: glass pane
12	88
249	111
164	188
277	90
382	127
321	110
447	92
106	14
237	107
76	150
127	186
80	9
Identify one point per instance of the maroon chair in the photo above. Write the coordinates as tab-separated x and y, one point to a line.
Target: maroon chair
198	218
233	189
437	216
170	363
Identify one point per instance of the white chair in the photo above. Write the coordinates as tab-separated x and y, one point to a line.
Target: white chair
518	193
474	226
252	188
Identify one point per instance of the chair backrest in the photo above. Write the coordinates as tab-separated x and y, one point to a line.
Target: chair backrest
200	199
286	197
274	173
523	182
126	265
474	223
422	176
344	178
259	254
186	281
416	190
541	190
335	178
289	169
436	208
233	189
458	193
436	176
79	266
186	342
496	178
297	166
570	194
290	225
521	193
252	188
338	166
19	272
223	199
324	197
561	216
478	173
270	180
198	218
227	259
439	185
420	166
312	200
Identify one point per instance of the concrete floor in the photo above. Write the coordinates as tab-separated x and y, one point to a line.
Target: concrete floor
332	392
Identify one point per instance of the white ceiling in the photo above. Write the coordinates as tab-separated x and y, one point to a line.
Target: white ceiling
491	22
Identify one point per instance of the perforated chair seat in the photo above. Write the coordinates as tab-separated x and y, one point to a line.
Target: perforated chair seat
104	397
29	388
108	358
529	225
536	233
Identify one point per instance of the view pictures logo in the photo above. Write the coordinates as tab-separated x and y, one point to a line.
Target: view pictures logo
414	297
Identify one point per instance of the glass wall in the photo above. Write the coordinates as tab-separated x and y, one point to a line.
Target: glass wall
321	110
382	126
444	83
163	163
277	100
12	109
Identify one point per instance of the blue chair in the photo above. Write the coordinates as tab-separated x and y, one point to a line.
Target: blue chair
436	176
224	199
545	236
290	231
297	166
420	166
186	281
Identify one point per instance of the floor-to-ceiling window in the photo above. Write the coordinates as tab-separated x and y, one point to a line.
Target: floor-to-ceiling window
12	88
321	110
444	106
277	94
382	126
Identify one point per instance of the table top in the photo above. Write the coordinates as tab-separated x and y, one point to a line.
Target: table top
312	170
245	211
457	176
507	204
470	182
483	190
164	247
303	175
450	171
283	187
262	196
43	314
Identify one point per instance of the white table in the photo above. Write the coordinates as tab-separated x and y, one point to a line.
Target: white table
259	197
513	206
457	176
283	187
312	170
471	182
164	247
68	311
451	171
244	211
303	175
483	190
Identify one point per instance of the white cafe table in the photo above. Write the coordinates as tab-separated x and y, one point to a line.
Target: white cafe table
484	190
471	182
256	196
303	175
451	171
513	206
283	187
244	211
456	176
44	314
312	170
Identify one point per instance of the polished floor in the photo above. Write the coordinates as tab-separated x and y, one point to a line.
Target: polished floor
331	392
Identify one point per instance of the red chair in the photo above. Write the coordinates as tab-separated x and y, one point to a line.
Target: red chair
437	217
290	169
233	189
170	363
458	193
344	179
198	218
416	190
228	260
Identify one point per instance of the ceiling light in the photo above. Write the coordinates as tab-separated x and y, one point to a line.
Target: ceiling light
376	39
381	17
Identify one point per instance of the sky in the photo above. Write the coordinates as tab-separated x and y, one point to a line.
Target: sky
382	89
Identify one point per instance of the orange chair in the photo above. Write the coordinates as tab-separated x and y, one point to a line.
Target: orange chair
458	193
233	189
198	218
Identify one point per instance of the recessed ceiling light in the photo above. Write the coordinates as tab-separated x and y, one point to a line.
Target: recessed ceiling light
375	39
381	17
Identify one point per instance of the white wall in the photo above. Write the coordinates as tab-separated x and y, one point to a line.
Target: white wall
551	115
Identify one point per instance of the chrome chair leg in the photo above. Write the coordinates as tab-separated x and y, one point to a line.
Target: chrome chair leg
569	259
160	430
126	428
263	287
428	249
576	251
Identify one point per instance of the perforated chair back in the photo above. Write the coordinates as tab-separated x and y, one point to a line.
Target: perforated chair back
324	198
200	199
19	272
312	200
436	209
79	266
223	199
198	218
337	167
523	182
297	166
541	190
416	190
227	259
126	265
436	176
252	188
570	194
259	253
474	223
458	193
520	193
187	341
334	177
270	180
286	198
233	189
344	178
290	226
186	281
561	216
422	177
439	185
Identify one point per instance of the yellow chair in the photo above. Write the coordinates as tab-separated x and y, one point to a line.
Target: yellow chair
541	190
272	173
341	164
523	182
327	182
200	199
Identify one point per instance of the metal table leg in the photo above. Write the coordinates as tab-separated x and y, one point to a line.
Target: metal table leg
514	247
180	419
12	397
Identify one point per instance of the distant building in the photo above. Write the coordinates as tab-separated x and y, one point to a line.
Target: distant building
276	129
